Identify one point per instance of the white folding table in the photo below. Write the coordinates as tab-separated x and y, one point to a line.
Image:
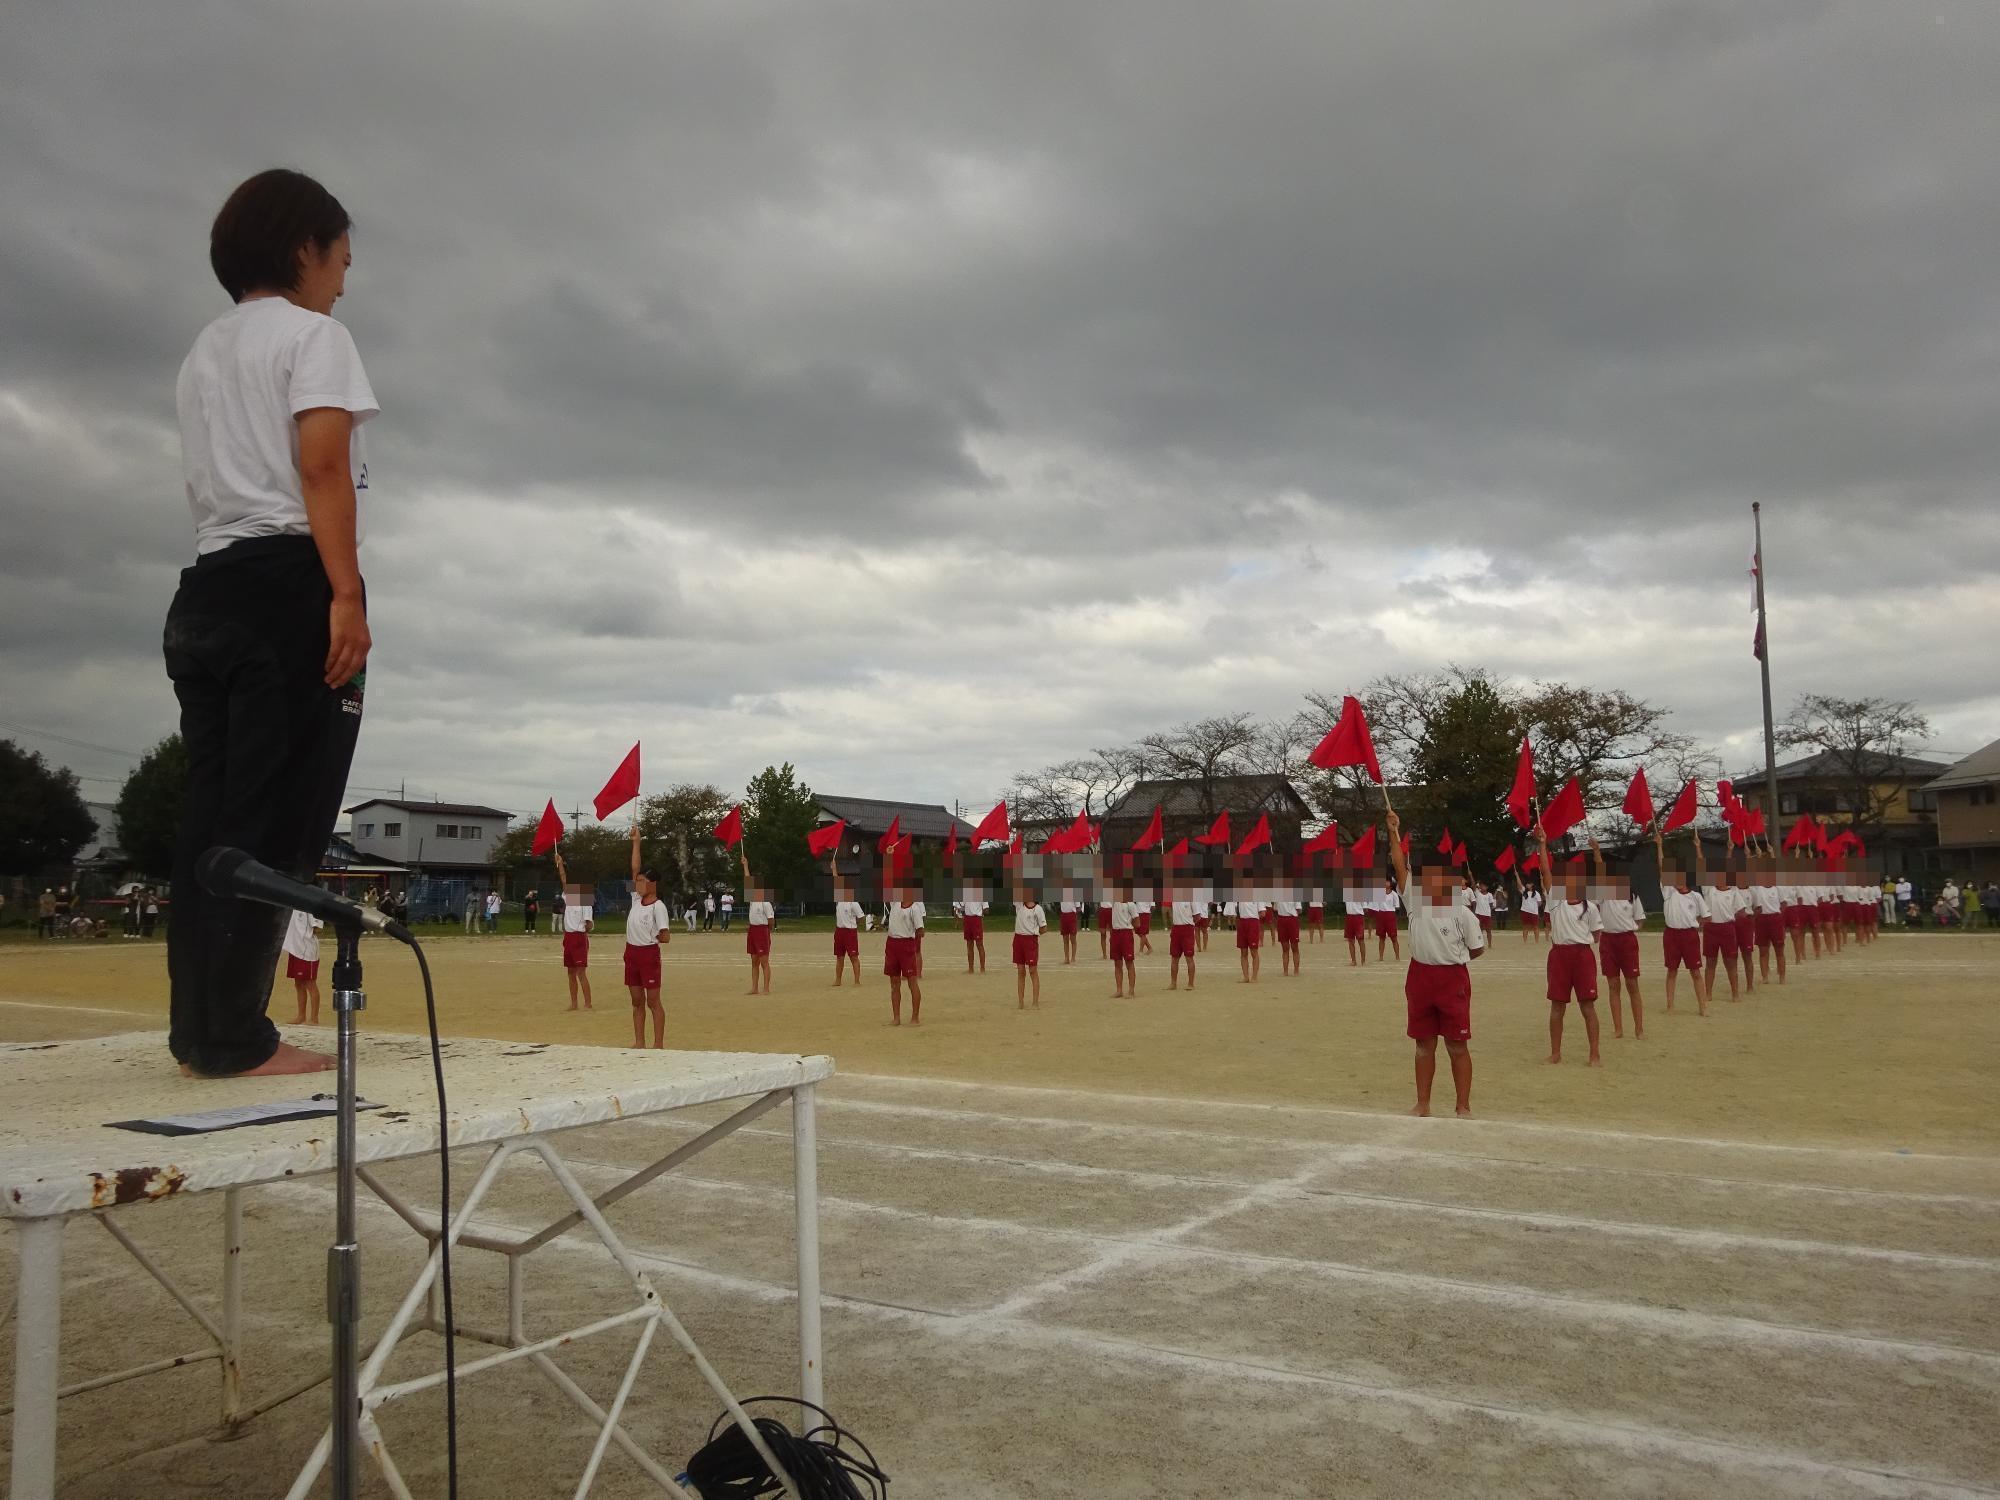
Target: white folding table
59	1159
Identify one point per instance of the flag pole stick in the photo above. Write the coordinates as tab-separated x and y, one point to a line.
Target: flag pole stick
1764	667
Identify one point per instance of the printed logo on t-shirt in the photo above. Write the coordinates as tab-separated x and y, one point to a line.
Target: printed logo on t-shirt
361	477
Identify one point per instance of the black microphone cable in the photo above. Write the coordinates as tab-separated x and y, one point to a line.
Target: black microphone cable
728	1468
444	1232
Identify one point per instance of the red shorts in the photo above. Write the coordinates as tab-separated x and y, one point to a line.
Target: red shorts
1618	953
1485	922
1439	998
1249	932
757	939
1142	923
1315	916
1681	947
973	929
1385	923
1355	924
1201	921
899	958
1027	949
1572	974
642	965
1288	931
1066	920
1746	931
1718	939
576	950
1794	915
1121	943
1770	929
846	940
1103	919
1180	942
1821	913
301	968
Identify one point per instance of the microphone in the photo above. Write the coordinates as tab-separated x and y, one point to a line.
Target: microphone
224	871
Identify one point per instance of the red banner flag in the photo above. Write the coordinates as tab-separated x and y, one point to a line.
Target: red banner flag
621	788
993	827
1754	821
1155	831
547	831
730	830
1459	856
1802	834
1506	860
893	832
1362	850
826	839
1685	806
1327	838
1218	832
1444	844
951	843
1072	840
1349	743
1521	796
1020	843
1638	803
1564	812
1179	851
1260	835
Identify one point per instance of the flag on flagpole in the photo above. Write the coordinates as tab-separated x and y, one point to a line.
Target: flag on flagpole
1564	812
1638	804
1459	856
893	832
1444	844
826	839
1179	851
730	830
1155	831
951	843
1218	831
547	832
1521	796
1685	806
1349	743
621	788
1805	833
1506	860
1327	838
1259	836
993	828
1362	850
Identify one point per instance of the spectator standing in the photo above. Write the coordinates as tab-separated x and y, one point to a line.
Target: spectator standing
708	911
1989	902
45	913
1948	902
531	908
728	908
151	916
1973	902
1905	898
135	908
493	911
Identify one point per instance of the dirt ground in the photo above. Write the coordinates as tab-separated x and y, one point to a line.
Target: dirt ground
1188	1244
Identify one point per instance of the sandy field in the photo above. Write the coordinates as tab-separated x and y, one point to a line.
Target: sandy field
1188	1244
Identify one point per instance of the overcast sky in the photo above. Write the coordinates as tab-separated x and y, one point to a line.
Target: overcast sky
922	392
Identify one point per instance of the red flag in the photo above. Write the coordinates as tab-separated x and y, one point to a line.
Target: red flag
1179	851
1362	850
1755	821
1260	835
1349	743
1459	856
951	844
1155	831
1020	842
730	829
1327	838
1218	832
621	788
1506	860
894	831
1521	797
1638	804
1444	844
1564	812
1576	858
993	827
1682	812
1072	840
827	839
1802	834
547	831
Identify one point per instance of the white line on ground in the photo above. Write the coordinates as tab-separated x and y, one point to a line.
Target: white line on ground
81	1010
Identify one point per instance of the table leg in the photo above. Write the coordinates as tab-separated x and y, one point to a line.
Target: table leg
232	1308
37	1345
805	1192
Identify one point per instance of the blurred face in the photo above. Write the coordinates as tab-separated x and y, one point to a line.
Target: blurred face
323	275
1439	887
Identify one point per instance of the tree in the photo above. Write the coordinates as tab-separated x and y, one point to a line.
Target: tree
1088	785
43	820
1460	765
1202	751
1599	737
778	812
676	829
1865	743
149	807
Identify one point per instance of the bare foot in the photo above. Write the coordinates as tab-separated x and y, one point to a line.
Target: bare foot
1597	1062
1554	1057
1617	1036
286	1060
1036	1006
915	1022
1464	1111
1638	1036
572	1005
895	1023
1422	1111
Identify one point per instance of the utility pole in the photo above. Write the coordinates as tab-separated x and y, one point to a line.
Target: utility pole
1764	665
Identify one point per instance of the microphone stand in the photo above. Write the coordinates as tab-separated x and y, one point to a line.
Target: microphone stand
343	1263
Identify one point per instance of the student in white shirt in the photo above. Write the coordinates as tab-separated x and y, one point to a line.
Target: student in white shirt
1285	924
1315	913
1437	989
1572	962
1142	919
1068	919
1029	922
577	925
648	926
1386	901
972	925
900	958
1249	932
1718	929
758	915
1680	911
1619	913
1180	935
1355	902
302	965
847	917
1124	917
1530	903
1767	913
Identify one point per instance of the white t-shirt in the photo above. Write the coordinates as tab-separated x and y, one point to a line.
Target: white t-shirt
645	923
492	903
1718	903
1029	920
1482	903
728	901
1765	899
302	937
1182	915
759	914
1066	906
576	917
847	915
917	914
1356	903
1531	901
241	388
1286	908
1682	909
1441	934
1572	922
1123	915
1386	899
902	921
974	908
1621	914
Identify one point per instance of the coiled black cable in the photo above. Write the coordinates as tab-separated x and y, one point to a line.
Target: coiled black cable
444	1240
728	1468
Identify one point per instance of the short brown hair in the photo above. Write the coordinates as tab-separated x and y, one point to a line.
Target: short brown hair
254	243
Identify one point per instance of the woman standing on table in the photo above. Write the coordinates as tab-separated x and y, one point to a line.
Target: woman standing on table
267	637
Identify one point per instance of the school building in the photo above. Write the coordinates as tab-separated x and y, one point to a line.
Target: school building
1190	805
1824	786
869	818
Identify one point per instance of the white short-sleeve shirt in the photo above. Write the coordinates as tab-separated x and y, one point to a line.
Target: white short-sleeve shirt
576	916
645	922
302	937
847	915
1441	935
1029	920
759	913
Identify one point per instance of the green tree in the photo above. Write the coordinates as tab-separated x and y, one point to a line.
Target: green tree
1459	768
676	836
149	807
1863	746
778	813
43	821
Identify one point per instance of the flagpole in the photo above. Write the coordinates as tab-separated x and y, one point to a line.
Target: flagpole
1764	667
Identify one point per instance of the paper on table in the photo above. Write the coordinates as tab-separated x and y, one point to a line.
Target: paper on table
238	1115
